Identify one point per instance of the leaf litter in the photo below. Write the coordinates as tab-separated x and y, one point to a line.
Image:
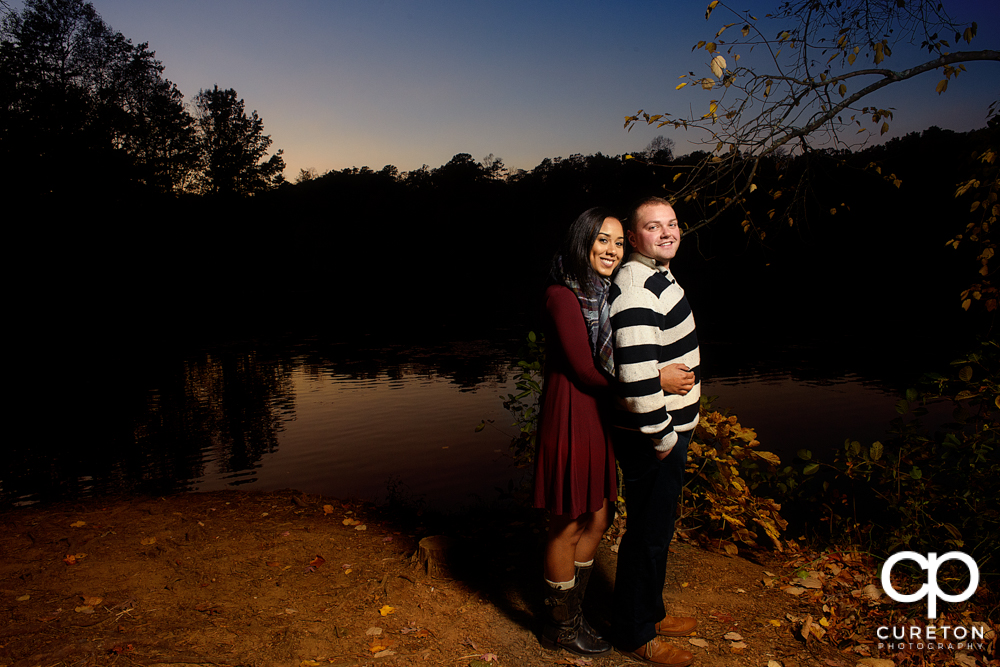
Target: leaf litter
216	576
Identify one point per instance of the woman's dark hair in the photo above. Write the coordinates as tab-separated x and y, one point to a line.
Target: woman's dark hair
577	244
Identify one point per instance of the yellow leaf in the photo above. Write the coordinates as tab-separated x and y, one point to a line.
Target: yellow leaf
842	90
833	211
975	205
753	186
718	66
386	610
942	86
746	30
327	509
680	85
966	304
767	88
78	524
148	540
712	5
775	623
707	84
676	176
825	623
851	58
885	128
710	47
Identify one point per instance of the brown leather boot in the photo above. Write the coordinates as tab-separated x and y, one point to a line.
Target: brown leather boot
675	626
660	652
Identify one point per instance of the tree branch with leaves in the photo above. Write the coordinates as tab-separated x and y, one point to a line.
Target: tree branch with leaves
794	94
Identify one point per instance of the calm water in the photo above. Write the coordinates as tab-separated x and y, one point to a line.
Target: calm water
381	423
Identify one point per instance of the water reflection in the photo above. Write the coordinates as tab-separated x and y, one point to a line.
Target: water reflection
371	419
339	420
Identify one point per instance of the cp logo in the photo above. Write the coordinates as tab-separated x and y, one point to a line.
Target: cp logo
930	590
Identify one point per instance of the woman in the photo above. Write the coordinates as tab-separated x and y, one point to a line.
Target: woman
575	477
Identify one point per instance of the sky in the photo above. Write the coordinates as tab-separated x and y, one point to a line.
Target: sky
342	83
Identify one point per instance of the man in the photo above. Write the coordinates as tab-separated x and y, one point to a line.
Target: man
653	329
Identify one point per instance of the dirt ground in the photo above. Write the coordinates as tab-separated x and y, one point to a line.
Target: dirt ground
284	579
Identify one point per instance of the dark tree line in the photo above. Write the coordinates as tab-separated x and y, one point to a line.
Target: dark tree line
83	110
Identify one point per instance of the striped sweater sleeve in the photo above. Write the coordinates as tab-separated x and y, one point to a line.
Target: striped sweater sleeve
635	320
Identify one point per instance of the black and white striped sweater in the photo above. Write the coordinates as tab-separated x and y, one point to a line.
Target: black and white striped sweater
653	326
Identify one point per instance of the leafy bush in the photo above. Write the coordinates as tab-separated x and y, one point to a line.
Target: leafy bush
922	491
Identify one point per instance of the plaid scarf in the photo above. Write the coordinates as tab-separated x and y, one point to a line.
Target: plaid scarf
596	312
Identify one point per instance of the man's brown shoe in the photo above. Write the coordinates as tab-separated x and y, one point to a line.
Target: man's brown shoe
661	653
675	626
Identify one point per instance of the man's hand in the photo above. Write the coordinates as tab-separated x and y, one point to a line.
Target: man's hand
676	379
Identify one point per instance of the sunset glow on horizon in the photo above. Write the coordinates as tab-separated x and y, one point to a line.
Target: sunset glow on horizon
342	84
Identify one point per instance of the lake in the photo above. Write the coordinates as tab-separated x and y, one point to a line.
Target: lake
387	422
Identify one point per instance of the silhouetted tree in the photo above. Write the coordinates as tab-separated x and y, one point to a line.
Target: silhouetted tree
660	149
78	95
234	146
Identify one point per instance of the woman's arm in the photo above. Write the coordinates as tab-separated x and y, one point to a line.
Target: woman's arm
676	379
573	337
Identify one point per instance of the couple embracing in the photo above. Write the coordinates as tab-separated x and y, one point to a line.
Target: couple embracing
622	367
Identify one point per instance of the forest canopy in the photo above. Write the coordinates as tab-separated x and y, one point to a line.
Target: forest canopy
84	108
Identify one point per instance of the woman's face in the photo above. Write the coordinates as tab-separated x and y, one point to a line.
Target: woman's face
608	248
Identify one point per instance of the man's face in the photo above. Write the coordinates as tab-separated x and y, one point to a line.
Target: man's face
656	234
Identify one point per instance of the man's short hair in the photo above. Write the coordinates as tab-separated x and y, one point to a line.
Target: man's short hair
633	216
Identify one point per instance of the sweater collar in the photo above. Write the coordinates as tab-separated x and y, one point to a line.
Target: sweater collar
648	261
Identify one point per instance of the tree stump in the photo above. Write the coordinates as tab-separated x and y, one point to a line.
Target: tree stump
432	553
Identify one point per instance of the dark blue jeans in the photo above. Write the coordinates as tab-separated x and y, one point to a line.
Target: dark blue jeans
652	489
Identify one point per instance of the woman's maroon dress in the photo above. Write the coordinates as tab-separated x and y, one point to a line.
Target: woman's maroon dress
574	463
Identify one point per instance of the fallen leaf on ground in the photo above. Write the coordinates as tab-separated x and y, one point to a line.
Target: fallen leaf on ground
361	527
579	662
91	600
700	643
328	509
148	540
373	631
774	663
965	660
794	590
273	563
872	592
317	561
309	663
78	524
737	647
382	654
386	610
85	609
24	598
733	636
